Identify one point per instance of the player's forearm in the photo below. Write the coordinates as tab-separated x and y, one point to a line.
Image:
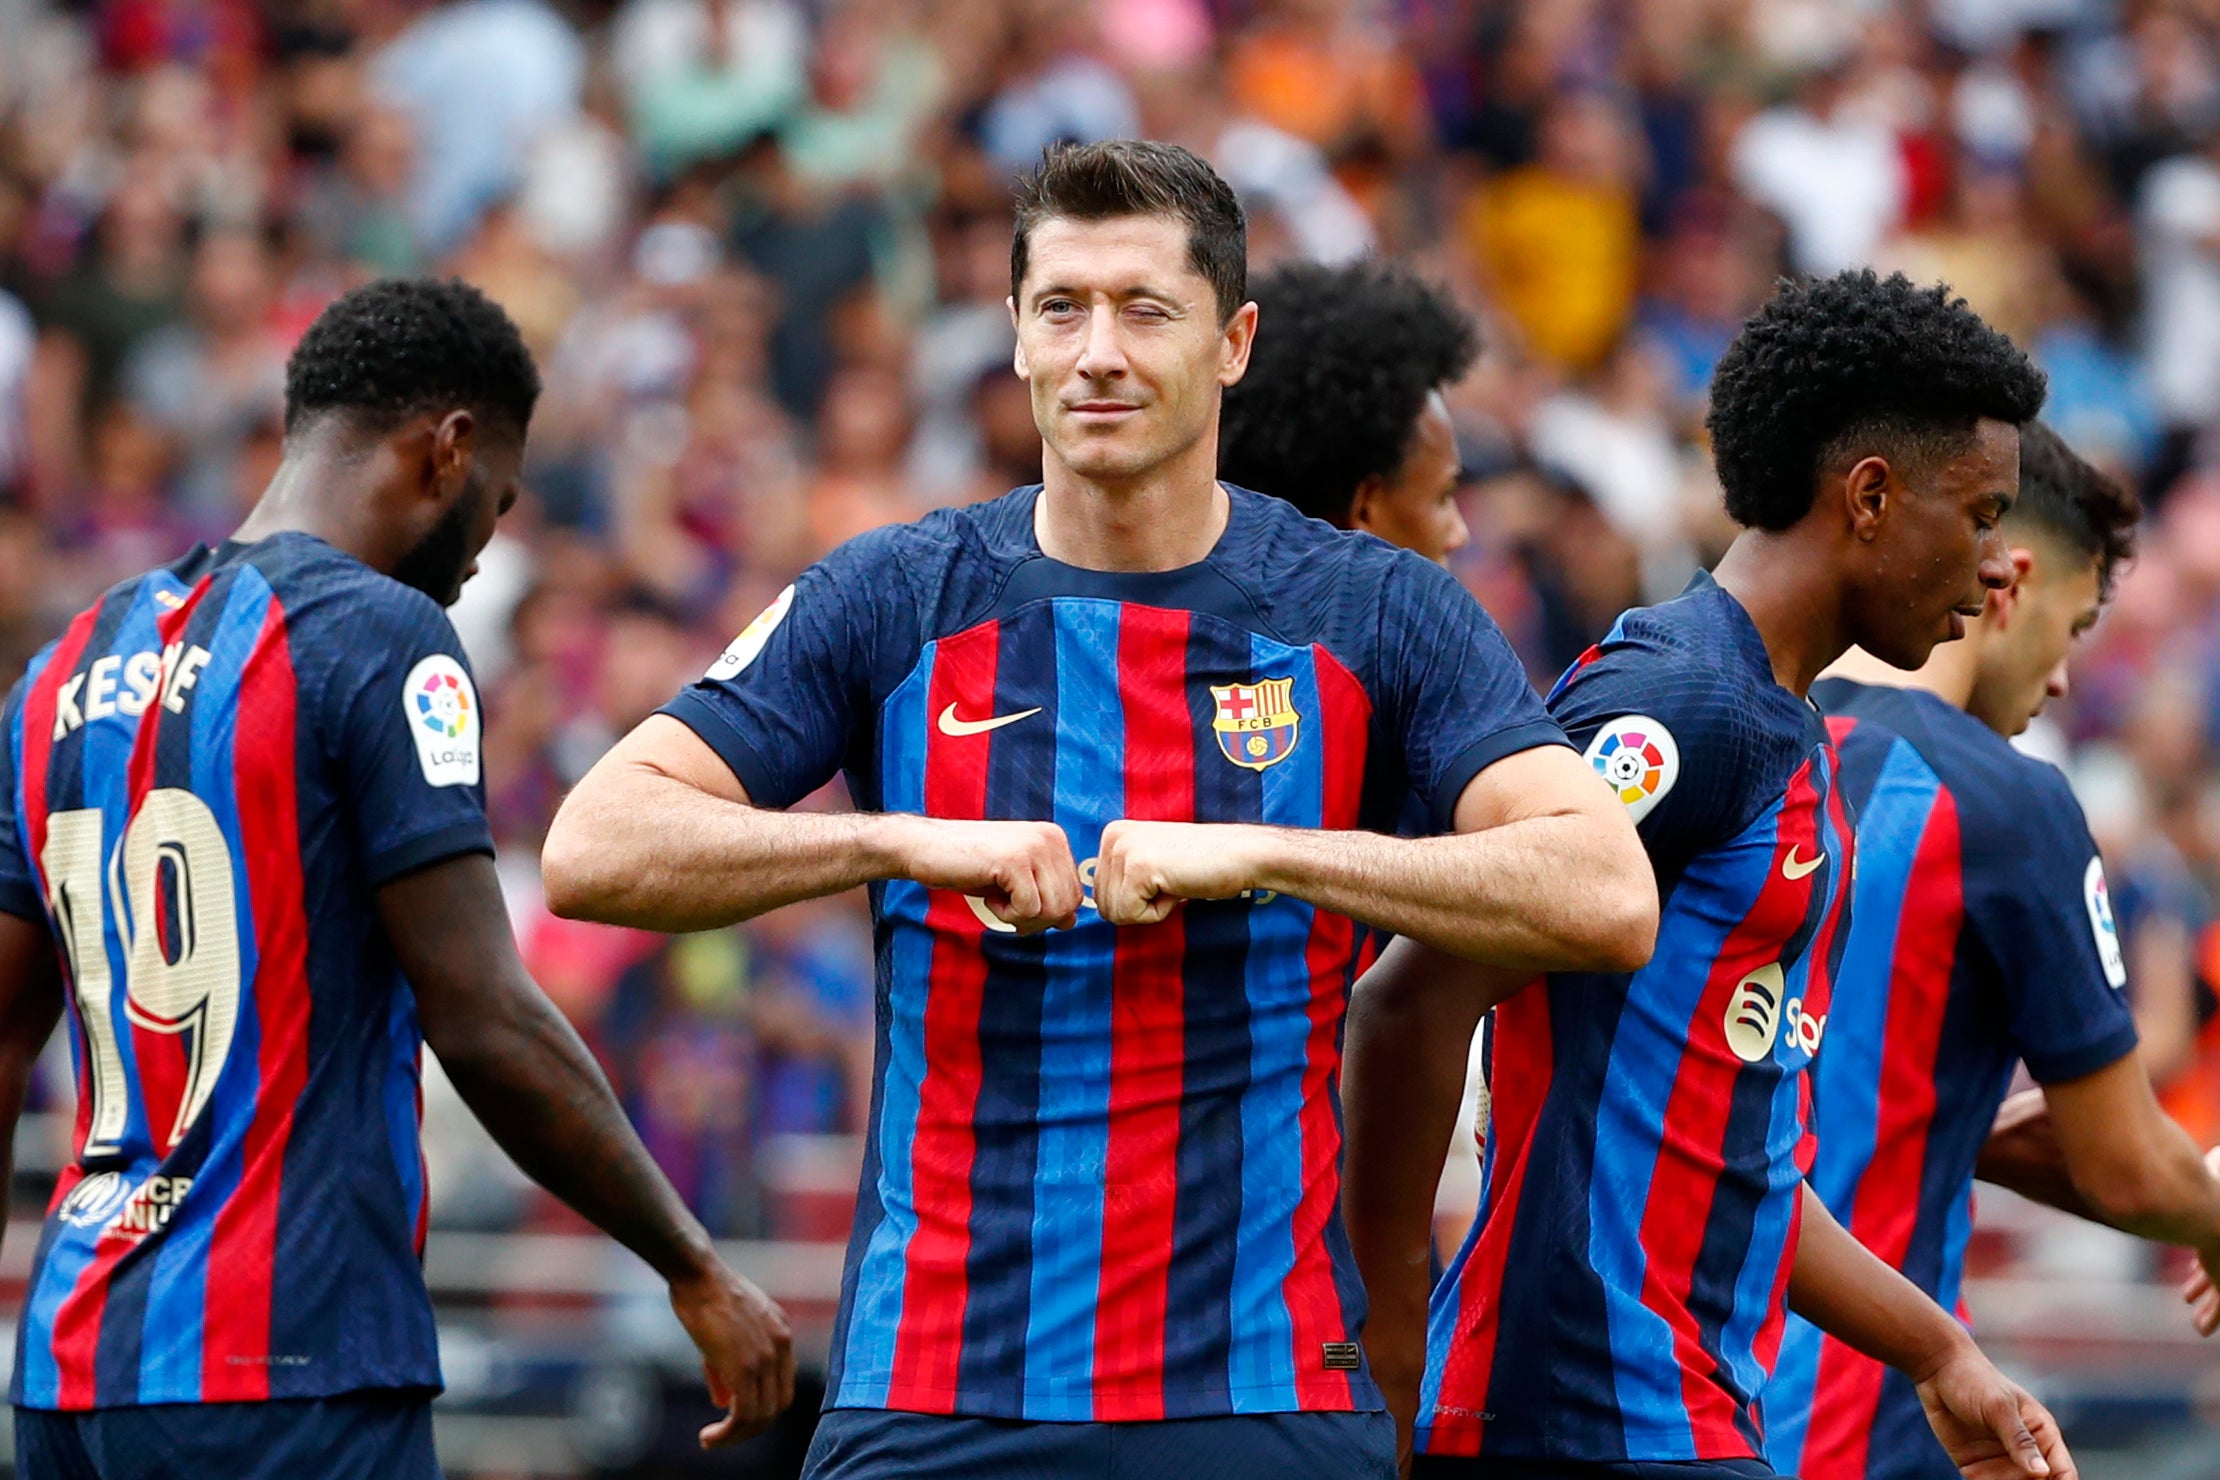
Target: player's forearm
1409	1027
2022	1154
2155	1186
1845	1290
1551	893
631	846
537	1090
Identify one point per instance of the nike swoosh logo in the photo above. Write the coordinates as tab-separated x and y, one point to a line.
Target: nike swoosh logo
950	725
1791	868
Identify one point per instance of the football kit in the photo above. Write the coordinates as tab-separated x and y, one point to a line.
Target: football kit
1620	1299
1101	1178
203	782
1982	936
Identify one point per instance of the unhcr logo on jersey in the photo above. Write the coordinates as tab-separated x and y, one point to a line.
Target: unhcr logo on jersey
111	1204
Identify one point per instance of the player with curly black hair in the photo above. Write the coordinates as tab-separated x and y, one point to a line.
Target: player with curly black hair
274	748
1341	413
1618	1307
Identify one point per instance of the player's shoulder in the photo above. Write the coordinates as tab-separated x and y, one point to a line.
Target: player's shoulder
945	565
1313	581
1695	661
321	586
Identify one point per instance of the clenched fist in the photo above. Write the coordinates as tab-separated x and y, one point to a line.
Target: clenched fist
1019	873
1147	868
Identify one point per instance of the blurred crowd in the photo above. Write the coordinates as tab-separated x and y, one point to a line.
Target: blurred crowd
761	250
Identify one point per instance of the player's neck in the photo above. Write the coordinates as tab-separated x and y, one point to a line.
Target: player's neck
1948	675
1798	613
1169	519
299	500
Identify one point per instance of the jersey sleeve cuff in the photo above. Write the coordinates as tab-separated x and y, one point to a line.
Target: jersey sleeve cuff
19	898
470	835
1484	753
733	748
2102	1054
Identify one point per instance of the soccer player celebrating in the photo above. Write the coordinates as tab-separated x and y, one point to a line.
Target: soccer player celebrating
1980	936
1341	411
1644	1223
242	795
1128	747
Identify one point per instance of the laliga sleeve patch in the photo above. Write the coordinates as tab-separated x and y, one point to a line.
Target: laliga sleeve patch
752	637
440	708
1640	759
2099	900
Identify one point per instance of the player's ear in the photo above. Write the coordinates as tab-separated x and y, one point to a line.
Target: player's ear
2004	605
1364	506
1237	338
1017	356
1867	491
454	446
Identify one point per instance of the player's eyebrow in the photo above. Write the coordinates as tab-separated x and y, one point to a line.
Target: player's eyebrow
1120	295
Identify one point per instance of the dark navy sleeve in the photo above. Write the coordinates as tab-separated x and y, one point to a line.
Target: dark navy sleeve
1670	737
1458	698
19	893
405	727
783	705
2036	895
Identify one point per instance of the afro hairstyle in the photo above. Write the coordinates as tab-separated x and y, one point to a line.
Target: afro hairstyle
2074	503
1855	363
1343	361
398	347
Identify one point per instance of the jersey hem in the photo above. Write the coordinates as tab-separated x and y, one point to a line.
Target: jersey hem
20	899
436	846
715	731
1485	752
1368	1402
430	1388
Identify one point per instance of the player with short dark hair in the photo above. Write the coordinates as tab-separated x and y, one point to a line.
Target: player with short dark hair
241	795
1644	1227
1981	936
1097	1229
1342	414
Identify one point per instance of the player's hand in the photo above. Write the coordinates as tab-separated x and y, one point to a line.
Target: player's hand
1019	875
1147	868
2201	1291
1992	1428
747	1351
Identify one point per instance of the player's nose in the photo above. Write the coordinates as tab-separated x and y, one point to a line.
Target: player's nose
2055	684
1101	356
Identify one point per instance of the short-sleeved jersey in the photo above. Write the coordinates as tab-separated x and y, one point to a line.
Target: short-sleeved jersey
202	783
1621	1296
1102	1168
1981	936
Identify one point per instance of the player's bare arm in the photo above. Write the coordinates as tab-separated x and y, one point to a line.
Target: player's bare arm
30	1004
1544	872
2102	1148
1992	1428
1411	1023
661	835
525	1074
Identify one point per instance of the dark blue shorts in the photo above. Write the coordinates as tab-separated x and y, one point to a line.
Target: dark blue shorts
1452	1467
867	1444
358	1436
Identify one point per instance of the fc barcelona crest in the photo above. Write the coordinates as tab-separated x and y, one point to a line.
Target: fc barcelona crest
1256	723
